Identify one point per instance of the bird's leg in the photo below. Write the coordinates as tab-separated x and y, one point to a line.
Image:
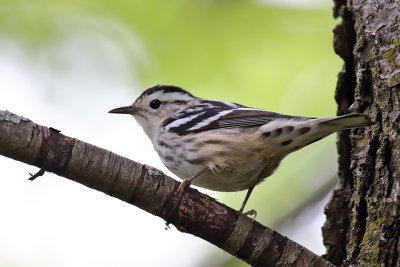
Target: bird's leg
186	182
246	198
250	212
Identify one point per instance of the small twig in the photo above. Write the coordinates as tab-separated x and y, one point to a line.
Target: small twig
36	175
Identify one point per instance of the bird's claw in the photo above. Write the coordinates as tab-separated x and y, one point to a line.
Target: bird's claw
250	213
185	183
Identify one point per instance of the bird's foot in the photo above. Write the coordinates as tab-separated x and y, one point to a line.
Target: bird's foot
185	183
250	213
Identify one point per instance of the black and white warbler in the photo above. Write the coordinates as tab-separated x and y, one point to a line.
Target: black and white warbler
221	145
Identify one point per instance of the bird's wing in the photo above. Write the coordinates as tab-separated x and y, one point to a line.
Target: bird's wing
211	118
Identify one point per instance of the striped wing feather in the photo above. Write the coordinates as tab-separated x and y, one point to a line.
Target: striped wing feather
211	119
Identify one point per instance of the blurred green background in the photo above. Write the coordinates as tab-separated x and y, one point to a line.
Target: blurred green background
255	53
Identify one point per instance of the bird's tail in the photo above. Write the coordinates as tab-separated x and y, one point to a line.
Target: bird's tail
326	126
346	121
312	130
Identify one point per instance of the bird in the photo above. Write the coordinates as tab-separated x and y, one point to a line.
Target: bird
224	146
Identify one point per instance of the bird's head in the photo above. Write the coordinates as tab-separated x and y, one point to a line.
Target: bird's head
155	105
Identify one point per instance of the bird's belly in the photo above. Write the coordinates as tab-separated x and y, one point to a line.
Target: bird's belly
234	158
230	179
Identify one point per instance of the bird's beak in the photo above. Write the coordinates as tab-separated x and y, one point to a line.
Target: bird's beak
125	110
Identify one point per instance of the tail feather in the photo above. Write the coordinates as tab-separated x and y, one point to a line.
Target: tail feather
312	130
348	121
327	126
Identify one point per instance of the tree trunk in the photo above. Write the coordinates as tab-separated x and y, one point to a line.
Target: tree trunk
362	226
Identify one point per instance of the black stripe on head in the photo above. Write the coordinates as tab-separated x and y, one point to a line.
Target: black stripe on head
165	89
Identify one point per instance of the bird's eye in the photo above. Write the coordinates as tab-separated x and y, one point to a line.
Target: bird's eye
155	104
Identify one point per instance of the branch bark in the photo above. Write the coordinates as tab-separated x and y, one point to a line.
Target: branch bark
363	219
151	190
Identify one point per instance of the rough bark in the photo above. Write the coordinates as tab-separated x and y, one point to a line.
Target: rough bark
151	190
362	226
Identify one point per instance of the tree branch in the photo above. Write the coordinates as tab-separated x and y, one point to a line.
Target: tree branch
151	190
